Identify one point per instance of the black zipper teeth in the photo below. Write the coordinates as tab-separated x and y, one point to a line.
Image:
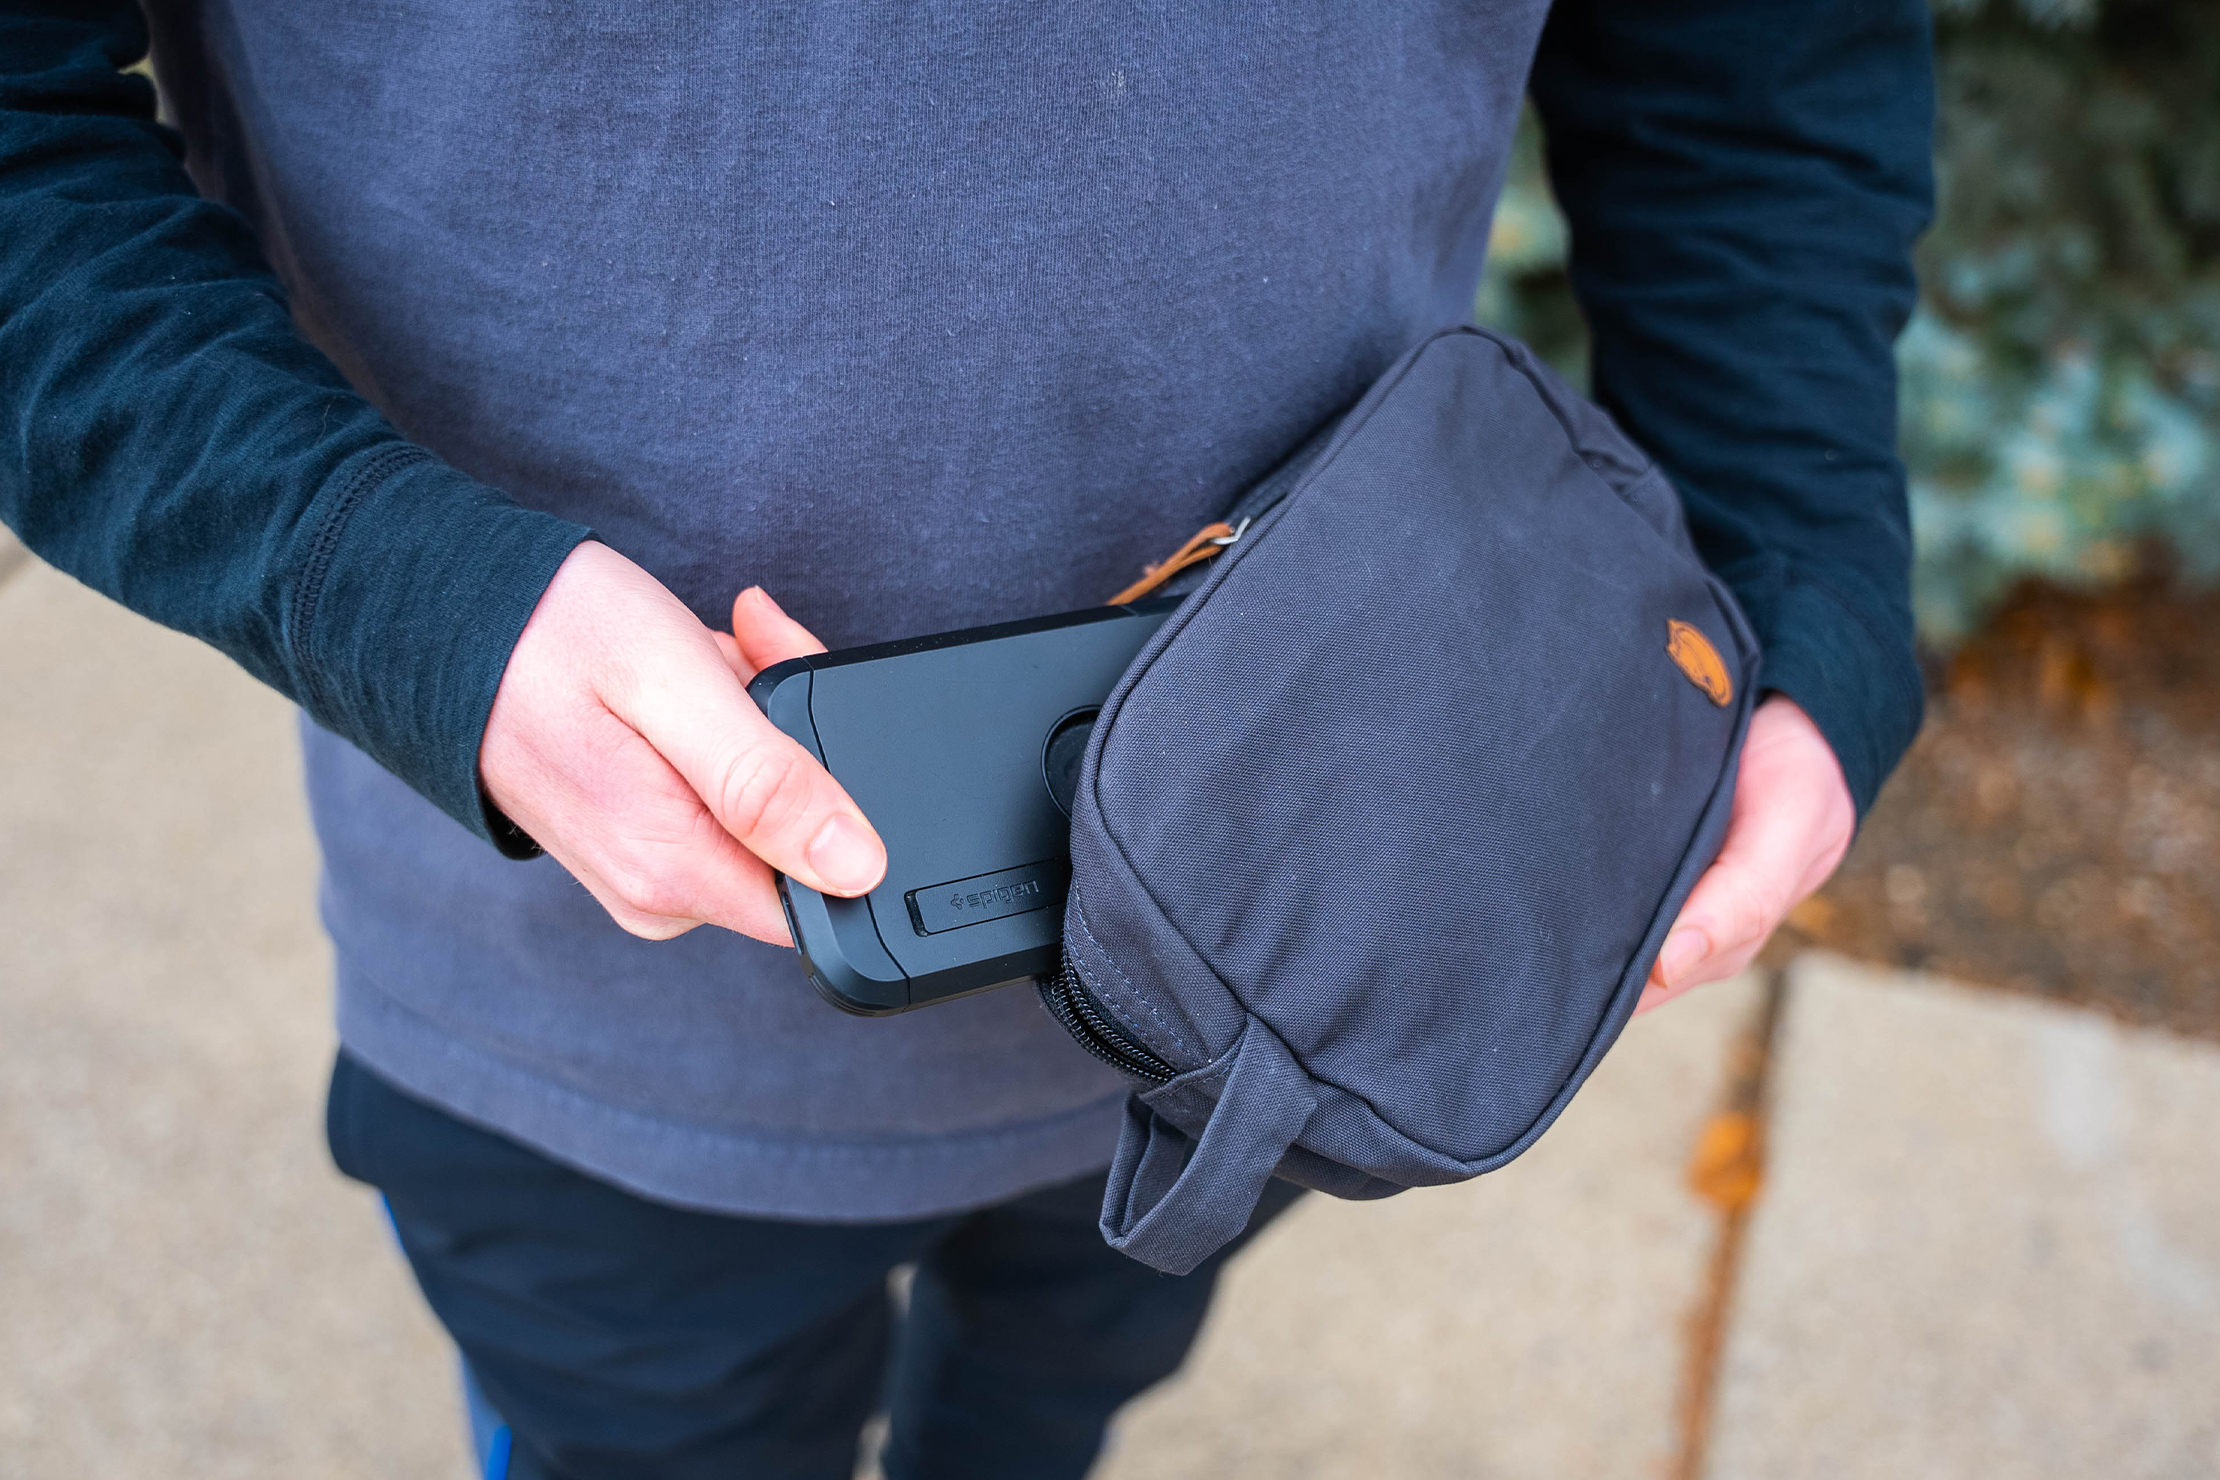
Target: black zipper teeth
1068	999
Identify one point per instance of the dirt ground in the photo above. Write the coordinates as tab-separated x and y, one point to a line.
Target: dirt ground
2056	829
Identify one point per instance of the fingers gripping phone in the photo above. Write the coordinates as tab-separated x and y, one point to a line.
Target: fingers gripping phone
963	749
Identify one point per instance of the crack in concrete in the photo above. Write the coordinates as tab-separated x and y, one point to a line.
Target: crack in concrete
1727	1170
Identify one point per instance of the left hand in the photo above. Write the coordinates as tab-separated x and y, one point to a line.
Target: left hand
1792	822
623	740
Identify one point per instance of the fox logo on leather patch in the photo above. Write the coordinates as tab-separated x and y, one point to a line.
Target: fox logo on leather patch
1694	655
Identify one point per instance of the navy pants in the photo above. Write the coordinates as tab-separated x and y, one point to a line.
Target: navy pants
622	1339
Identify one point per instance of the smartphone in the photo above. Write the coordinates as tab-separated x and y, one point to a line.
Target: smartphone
963	749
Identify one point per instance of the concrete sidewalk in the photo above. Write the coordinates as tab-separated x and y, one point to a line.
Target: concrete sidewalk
1990	1245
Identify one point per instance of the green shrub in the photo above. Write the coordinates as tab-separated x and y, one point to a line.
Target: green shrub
2061	379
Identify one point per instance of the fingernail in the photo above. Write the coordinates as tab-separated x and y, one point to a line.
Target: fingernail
846	856
767	601
1684	948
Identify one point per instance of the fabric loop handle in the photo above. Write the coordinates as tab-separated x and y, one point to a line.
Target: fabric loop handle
1173	1201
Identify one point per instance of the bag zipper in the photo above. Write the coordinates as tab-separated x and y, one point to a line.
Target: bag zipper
1067	999
1065	995
1209	541
1213	540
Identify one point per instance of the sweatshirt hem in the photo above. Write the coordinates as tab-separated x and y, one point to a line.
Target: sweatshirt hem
816	1180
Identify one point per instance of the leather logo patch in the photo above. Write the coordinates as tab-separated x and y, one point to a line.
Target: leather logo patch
1694	655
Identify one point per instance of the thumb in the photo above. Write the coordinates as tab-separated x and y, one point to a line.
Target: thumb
764	632
756	782
760	786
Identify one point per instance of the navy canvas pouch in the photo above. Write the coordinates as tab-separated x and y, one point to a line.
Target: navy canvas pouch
1376	841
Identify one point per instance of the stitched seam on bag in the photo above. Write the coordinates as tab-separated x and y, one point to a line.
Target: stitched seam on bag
1621	494
1737	619
1217	1071
1079	913
1520	363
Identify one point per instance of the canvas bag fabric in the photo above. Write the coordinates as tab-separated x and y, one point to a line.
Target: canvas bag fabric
1377	840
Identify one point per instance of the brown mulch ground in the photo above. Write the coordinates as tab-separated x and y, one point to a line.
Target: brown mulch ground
2056	829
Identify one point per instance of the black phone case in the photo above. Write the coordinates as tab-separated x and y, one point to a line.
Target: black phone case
962	749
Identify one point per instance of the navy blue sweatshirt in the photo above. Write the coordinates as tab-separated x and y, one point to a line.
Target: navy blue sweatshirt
922	316
1744	182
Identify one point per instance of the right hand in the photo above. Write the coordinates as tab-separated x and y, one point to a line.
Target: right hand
623	740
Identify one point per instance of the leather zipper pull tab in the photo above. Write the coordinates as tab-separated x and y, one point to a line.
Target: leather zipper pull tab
1202	545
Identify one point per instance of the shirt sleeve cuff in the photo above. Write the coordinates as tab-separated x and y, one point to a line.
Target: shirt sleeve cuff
416	582
1862	689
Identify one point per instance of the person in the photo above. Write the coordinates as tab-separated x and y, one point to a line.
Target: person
453	366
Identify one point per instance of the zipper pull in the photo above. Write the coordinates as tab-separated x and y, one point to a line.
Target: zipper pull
1206	542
